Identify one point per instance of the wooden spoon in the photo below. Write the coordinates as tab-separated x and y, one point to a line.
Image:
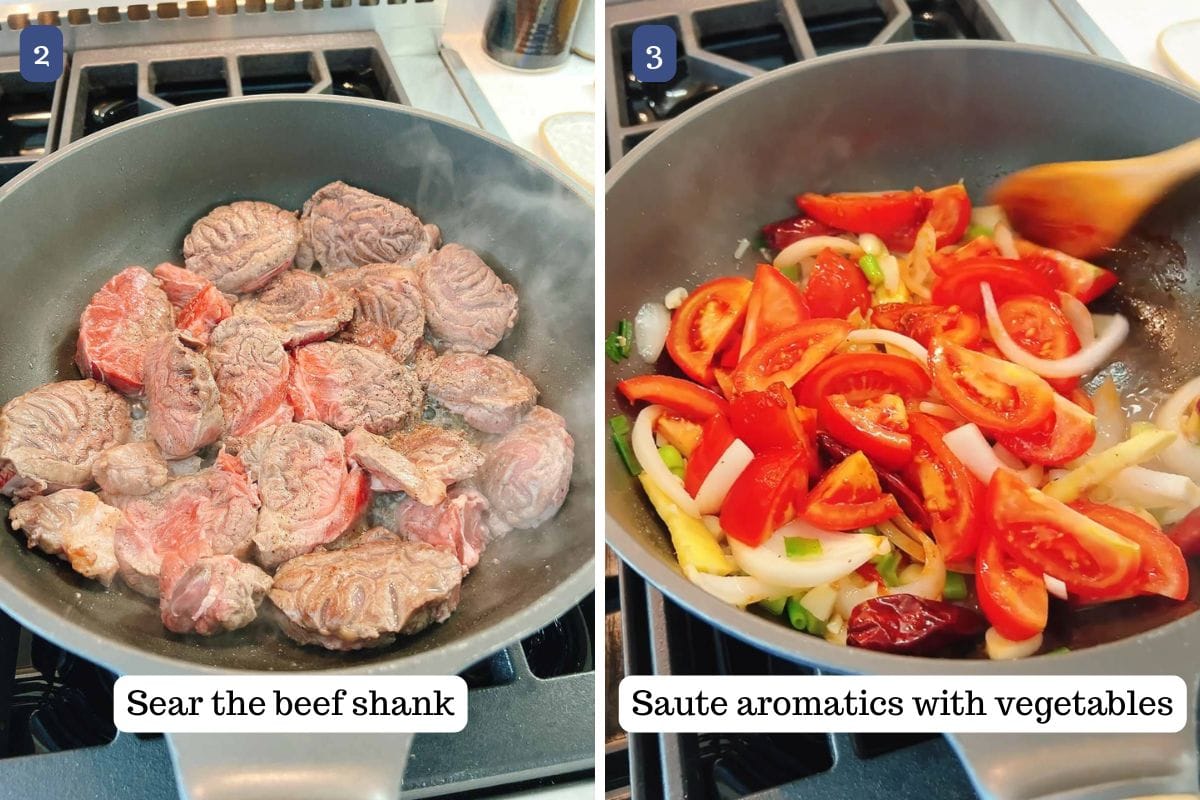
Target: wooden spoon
1083	207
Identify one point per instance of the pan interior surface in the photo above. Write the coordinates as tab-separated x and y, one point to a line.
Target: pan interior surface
895	117
129	197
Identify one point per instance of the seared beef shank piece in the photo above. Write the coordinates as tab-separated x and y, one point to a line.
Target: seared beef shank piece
302	306
527	472
343	226
467	306
353	538
442	453
180	284
348	386
124	318
391	470
423	359
132	469
457	525
182	403
242	246
202	313
251	369
489	392
364	595
389	311
73	525
50	437
210	595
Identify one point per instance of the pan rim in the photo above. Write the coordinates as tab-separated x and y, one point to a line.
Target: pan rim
449	658
797	647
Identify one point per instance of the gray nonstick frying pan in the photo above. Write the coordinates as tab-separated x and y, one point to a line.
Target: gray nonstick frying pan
128	196
901	116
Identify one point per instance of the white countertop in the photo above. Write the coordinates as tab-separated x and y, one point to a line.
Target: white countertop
1134	27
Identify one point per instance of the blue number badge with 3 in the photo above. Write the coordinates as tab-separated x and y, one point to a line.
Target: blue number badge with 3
654	49
41	53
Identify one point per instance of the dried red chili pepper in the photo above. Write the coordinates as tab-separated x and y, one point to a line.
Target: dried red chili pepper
911	625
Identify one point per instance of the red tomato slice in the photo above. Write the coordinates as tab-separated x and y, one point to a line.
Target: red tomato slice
942	263
1078	277
1063	438
1046	536
789	356
682	397
1013	598
775	304
877	427
995	394
864	376
779	235
836	286
923	321
952	495
892	216
849	497
1163	569
709	315
765	496
1008	278
1040	327
767	419
950	213
715	438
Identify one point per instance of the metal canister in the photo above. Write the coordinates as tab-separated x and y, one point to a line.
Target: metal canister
530	34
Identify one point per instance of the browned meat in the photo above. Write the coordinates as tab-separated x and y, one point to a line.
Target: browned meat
242	246
457	525
364	595
124	318
73	525
302	306
212	512
179	283
342	227
390	470
308	497
202	313
442	453
424	357
348	386
50	437
389	312
251	370
211	595
528	471
182	403
489	392
467	306
133	469
353	538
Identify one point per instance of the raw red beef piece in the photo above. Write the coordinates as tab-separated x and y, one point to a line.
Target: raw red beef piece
442	453
467	306
391	470
489	392
73	525
202	313
348	386
251	369
343	227
527	472
389	311
242	246
51	437
302	306
457	525
182	403
180	283
135	468
210	595
125	317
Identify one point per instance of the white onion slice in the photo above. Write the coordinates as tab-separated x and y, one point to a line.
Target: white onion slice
729	467
650	330
1054	586
736	590
1001	649
1032	474
850	596
1183	455
931	581
1112	426
841	554
796	252
642	439
1088	359
970	447
939	410
988	216
880	336
889	265
1002	235
1080	318
1150	488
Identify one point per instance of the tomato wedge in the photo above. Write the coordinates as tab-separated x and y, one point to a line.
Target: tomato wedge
995	394
943	263
1046	536
1013	598
765	496
767	420
923	321
1078	277
709	315
1007	277
836	286
864	376
849	497
1064	437
780	234
715	438
775	304
1163	569
877	427
952	495
892	216
1040	327
789	356
683	397
950	213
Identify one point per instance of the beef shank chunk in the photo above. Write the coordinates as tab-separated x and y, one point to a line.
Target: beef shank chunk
423	359
180	284
133	469
73	525
364	595
242	246
458	525
442	453
211	594
348	386
467	306
202	314
182	402
527	472
490	393
302	306
51	437
127	315
391	470
251	370
343	227
389	311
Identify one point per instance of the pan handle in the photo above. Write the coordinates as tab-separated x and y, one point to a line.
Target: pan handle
289	766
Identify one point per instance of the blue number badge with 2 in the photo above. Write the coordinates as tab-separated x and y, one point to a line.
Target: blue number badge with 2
654	53
41	53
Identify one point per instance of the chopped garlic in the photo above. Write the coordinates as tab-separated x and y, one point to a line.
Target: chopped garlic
743	246
675	298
